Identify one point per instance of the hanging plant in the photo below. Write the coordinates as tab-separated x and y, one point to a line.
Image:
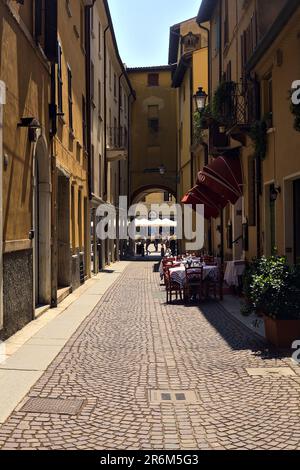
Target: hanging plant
258	134
201	123
222	103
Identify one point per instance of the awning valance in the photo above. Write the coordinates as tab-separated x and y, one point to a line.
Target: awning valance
224	177
212	202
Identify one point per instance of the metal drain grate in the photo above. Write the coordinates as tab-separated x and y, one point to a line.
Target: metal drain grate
53	406
173	396
271	372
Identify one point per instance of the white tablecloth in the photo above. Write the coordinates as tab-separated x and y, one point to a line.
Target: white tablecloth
234	270
178	274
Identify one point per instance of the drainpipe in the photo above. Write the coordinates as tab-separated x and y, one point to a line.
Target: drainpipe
2	103
192	124
132	95
105	114
88	103
53	132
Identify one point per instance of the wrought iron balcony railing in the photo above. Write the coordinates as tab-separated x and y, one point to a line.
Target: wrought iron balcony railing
240	106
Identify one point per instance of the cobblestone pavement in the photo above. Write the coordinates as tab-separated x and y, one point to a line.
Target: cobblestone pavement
133	343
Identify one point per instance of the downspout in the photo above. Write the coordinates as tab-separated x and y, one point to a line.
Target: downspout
2	103
205	146
88	102
129	142
105	115
53	132
192	123
119	171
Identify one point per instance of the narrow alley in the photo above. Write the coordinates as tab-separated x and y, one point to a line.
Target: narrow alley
141	374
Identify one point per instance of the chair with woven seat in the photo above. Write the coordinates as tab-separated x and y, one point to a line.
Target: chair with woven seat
215	285
172	288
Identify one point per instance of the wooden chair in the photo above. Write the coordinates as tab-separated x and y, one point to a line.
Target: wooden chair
166	267
172	288
215	286
194	283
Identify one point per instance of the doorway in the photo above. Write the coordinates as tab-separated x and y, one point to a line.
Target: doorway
41	225
296	192
63	231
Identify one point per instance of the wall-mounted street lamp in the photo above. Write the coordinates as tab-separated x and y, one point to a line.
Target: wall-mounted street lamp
200	99
32	125
275	190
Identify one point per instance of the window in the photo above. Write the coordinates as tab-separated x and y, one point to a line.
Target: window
84	127
110	75
153	124
226	24
92	169
100	174
92	81
70	101
268	98
153	79
252	192
99	38
73	218
59	81
296	190
115	132
79	219
115	85
121	99
92	20
99	100
82	39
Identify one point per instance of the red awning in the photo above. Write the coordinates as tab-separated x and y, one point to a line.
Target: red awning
224	177
202	195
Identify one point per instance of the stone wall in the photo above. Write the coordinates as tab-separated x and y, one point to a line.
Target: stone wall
17	289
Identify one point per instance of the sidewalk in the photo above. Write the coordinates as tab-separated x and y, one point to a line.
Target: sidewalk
30	351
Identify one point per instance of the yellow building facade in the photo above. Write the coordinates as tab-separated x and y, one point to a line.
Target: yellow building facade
251	61
188	57
153	162
25	60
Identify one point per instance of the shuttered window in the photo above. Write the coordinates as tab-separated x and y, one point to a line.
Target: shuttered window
70	100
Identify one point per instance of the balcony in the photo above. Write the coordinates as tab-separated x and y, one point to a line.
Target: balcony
237	107
241	106
117	144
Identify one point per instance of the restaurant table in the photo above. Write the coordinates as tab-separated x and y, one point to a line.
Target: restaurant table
234	271
178	274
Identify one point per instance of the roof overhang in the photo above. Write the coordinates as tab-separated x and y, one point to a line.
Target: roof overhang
174	43
181	69
282	19
206	9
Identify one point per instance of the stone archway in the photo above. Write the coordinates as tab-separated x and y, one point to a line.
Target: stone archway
42	223
139	193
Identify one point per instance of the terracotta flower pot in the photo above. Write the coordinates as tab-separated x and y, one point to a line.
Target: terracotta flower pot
282	333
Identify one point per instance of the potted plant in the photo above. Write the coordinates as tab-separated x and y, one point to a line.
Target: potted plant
273	288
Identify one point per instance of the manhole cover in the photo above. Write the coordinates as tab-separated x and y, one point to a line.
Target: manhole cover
271	372
53	406
173	396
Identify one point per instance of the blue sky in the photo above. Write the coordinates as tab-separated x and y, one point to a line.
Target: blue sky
142	27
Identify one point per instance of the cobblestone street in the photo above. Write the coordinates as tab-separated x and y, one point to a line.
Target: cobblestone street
132	344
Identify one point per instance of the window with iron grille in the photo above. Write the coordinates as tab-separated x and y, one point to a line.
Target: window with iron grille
153	79
59	81
153	124
84	126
